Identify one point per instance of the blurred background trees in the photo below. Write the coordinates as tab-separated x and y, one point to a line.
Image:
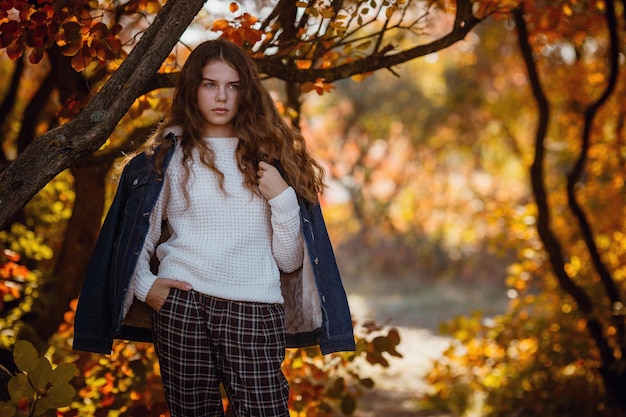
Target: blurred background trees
494	162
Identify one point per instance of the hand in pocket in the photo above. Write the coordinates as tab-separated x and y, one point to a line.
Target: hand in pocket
160	290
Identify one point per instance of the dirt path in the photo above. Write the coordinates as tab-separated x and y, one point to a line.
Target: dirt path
398	386
415	309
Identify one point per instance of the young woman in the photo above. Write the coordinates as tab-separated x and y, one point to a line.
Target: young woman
217	228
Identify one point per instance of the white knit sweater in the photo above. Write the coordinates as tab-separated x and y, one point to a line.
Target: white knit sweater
230	246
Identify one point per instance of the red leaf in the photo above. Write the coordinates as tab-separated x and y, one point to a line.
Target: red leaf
10	27
116	29
5	39
36	55
38	17
115	44
99	30
15	50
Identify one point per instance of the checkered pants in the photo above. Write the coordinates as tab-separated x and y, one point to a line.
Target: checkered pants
201	341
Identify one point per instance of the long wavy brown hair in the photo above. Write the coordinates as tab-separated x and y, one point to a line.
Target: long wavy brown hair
263	134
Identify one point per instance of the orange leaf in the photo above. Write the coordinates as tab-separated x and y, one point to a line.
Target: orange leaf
79	62
303	64
220	24
73	48
15	50
233	7
12	255
20	271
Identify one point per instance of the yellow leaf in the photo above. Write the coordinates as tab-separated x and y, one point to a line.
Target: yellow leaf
328	13
360	77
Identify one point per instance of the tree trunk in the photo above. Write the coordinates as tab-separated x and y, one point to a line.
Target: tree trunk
80	239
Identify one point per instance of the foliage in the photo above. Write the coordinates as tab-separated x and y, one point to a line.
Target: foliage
18	286
37	389
323	385
539	358
77	28
532	361
559	349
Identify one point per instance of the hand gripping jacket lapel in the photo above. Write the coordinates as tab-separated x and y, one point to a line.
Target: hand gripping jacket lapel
316	306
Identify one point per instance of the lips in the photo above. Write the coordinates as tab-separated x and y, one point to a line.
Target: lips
220	110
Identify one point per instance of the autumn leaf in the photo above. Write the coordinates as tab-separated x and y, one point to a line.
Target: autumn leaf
72	48
70	31
79	62
303	64
15	49
220	24
99	30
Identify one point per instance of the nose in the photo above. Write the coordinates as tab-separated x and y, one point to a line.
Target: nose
221	95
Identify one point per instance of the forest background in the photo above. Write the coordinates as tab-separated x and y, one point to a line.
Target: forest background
475	157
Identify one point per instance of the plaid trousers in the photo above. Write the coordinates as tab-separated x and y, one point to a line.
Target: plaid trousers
201	341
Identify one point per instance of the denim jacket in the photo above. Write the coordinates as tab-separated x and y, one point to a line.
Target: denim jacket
316	306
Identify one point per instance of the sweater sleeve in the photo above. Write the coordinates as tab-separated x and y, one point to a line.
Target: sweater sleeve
143	277
287	240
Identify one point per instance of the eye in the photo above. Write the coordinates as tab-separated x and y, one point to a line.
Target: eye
233	86
209	84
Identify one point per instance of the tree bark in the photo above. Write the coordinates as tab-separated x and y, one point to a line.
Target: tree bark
71	263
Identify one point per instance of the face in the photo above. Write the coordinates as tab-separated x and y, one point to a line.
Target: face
218	98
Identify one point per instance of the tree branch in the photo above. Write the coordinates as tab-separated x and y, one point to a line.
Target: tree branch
464	22
276	67
578	169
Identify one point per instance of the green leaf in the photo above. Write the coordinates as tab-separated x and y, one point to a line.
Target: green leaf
19	387
40	409
40	377
57	396
63	373
25	355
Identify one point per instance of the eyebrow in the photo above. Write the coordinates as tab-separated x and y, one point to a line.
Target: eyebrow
228	82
